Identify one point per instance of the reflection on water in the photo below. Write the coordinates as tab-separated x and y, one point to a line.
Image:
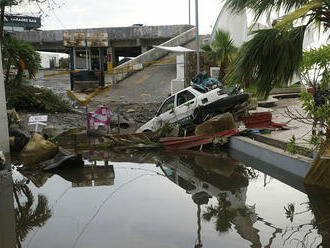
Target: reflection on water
188	199
29	212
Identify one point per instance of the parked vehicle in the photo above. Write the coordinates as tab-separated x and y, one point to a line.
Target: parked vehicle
193	104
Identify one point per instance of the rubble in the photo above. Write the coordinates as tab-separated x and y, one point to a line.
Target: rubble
18	138
2	160
13	117
63	157
38	150
216	124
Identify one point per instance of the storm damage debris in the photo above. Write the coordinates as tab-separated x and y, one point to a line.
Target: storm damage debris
43	154
38	150
2	160
216	124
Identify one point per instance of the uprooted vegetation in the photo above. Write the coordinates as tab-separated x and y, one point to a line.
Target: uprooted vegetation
32	99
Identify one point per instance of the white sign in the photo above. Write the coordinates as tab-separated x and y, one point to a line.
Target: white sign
38	118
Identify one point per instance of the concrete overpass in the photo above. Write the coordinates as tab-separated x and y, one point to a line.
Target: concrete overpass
124	41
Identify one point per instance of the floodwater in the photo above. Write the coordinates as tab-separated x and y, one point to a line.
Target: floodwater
167	200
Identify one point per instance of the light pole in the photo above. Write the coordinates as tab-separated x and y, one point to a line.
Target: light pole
189	12
197	37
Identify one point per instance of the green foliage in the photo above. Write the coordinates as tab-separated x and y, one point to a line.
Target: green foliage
53	140
20	55
8	2
266	6
292	146
316	140
315	67
64	63
272	56
221	51
320	113
300	12
268	60
32	99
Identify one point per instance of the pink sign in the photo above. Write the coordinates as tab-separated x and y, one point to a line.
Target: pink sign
99	119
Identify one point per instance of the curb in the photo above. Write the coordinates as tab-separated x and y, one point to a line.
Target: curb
297	165
85	99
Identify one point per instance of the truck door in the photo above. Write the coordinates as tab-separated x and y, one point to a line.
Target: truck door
186	103
166	112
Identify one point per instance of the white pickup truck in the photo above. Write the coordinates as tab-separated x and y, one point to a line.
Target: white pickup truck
192	104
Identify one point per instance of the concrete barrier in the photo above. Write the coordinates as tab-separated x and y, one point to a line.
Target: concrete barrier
297	165
153	54
279	91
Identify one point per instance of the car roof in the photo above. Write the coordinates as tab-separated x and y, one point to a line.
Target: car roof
187	88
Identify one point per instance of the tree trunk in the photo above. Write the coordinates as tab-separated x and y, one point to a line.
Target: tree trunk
19	76
223	71
319	172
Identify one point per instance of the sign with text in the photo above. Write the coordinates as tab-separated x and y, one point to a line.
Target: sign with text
38	120
23	21
74	39
97	39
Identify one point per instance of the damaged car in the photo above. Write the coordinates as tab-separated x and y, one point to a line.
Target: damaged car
194	104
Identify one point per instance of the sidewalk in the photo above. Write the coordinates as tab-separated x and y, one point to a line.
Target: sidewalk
301	131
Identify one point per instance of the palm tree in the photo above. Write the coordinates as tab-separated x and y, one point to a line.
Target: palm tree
20	55
221	51
273	55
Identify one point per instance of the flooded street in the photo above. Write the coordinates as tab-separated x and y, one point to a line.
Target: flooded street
189	199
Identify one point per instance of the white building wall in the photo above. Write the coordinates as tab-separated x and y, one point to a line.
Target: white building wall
46	57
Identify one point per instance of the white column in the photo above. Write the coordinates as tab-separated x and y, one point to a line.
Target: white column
4	134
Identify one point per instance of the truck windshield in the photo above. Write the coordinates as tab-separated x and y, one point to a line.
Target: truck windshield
167	105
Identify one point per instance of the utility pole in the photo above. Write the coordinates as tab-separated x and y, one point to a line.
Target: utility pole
189	12
197	37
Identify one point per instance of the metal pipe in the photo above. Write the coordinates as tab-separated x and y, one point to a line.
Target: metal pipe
197	38
72	52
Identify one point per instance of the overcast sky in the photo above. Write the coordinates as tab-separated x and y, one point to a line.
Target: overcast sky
111	13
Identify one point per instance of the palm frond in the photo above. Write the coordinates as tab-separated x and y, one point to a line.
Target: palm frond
261	7
298	13
269	59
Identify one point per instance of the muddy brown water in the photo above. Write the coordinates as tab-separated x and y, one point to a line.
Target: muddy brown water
190	199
